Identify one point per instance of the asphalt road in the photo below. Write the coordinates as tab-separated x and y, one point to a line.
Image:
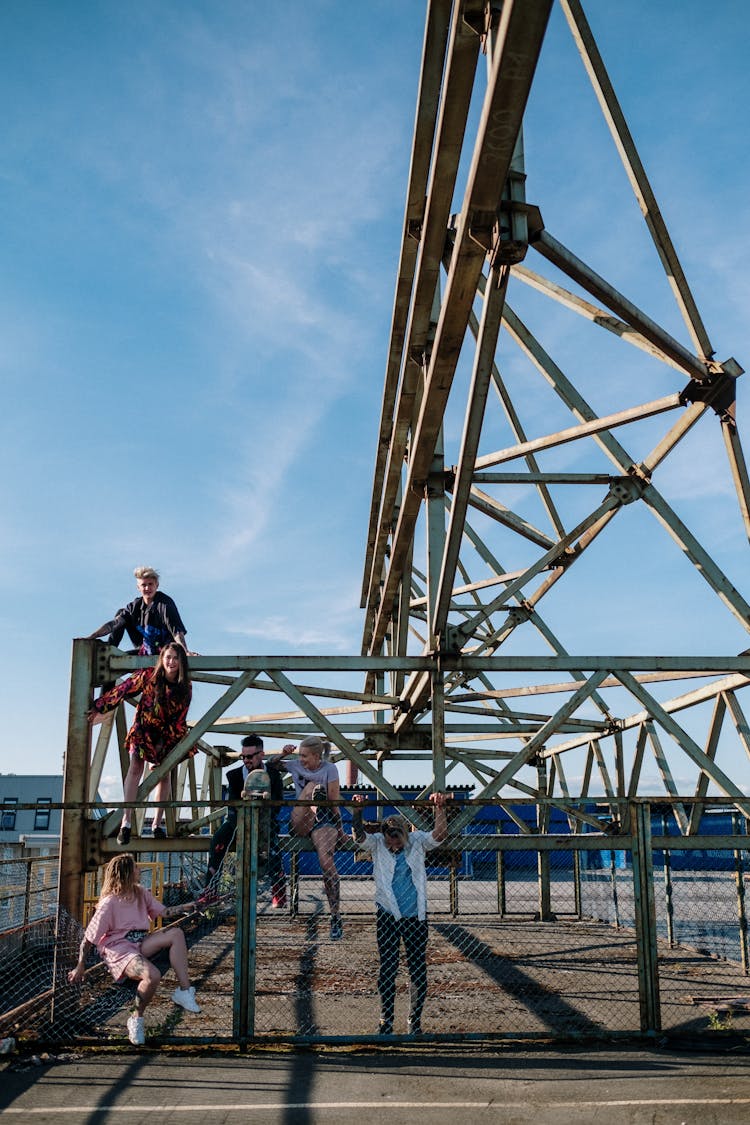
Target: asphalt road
614	1086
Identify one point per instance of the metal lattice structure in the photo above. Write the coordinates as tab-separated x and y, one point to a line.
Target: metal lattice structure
504	520
482	514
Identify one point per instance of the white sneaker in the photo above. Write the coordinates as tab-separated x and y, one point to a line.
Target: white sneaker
185	997
136	1032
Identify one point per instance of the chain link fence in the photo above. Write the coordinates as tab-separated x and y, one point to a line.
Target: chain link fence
524	936
28	890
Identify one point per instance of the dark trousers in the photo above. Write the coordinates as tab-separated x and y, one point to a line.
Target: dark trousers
390	932
223	841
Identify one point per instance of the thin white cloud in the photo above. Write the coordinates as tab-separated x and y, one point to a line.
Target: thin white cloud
288	633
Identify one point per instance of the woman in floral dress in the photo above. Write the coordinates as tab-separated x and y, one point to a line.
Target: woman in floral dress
159	724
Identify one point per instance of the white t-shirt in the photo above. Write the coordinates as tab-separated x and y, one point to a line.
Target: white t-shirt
384	862
325	772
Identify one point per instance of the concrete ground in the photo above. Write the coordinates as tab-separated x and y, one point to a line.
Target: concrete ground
616	1085
510	977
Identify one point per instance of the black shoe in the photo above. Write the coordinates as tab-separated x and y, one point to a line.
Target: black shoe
123	836
414	1028
385	1027
160	833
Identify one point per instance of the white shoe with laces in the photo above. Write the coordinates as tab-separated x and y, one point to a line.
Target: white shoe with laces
136	1031
185	997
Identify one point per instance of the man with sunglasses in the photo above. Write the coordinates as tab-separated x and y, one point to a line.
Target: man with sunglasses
398	864
251	753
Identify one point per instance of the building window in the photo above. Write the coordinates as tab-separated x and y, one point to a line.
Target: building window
41	815
8	814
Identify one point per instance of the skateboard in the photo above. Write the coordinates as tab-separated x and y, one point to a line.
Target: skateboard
257	787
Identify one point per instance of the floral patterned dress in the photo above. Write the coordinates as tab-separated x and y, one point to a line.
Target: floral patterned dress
158	726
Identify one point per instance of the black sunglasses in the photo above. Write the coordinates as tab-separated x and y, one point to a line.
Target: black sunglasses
391	831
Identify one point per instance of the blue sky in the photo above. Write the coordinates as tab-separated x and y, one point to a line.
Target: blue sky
200	215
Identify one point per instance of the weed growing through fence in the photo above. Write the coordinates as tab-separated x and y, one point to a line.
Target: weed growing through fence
720	1021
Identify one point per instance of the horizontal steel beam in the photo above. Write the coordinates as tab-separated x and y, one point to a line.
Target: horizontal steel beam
122	663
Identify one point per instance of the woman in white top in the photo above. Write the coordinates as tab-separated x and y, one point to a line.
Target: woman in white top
315	778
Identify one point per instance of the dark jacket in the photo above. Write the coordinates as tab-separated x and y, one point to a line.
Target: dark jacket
148	627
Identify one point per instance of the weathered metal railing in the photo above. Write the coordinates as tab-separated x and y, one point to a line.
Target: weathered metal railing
493	908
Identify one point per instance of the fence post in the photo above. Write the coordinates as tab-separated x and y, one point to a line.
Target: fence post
545	897
739	874
245	937
668	891
613	884
294	883
72	858
645	918
453	885
543	857
27	904
438	727
500	867
75	781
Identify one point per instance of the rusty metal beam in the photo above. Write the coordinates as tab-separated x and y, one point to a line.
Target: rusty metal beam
519	41
639	181
626	310
410	352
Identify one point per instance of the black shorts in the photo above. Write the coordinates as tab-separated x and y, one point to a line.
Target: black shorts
324	817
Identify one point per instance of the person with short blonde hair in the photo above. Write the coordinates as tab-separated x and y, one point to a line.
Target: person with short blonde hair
151	620
145	572
120	931
316	778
